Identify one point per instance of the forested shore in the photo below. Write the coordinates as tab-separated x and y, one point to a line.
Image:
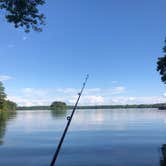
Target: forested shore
161	105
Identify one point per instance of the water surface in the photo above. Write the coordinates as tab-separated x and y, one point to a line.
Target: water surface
118	137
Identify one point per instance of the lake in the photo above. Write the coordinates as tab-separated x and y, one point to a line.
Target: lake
117	137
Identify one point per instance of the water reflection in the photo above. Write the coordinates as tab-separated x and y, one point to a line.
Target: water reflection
118	120
130	137
4	118
58	113
163	160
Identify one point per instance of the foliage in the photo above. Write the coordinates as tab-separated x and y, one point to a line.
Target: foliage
24	13
161	65
34	108
5	104
9	105
58	105
2	96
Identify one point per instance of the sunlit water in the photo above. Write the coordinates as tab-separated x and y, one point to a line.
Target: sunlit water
117	137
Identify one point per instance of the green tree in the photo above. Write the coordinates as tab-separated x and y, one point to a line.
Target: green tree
24	13
2	96
161	65
9	105
5	105
58	105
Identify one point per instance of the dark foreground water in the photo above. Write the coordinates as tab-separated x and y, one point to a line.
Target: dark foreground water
116	137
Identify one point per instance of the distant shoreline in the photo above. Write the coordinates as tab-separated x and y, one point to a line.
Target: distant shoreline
160	106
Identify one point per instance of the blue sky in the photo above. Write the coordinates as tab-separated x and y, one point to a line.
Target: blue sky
117	42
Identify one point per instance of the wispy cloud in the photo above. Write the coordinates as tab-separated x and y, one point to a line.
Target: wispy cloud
66	90
34	92
122	100
10	45
114	82
32	96
93	90
5	77
24	101
24	38
91	96
88	100
118	90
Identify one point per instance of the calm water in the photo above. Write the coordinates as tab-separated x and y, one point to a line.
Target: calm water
130	137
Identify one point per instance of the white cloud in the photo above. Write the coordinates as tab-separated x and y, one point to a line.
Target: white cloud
23	101
93	100
34	92
92	91
88	100
24	38
91	96
32	96
66	90
136	100
132	98
5	77
118	90
75	90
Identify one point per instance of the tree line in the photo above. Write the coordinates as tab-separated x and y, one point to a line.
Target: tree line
56	105
67	107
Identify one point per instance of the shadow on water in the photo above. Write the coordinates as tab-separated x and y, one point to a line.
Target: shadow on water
163	160
4	118
58	113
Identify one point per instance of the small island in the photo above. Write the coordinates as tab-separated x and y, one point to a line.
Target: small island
58	105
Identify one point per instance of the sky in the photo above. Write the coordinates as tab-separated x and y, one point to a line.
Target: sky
116	42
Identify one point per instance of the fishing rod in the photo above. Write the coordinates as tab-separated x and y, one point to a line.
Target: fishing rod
69	118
